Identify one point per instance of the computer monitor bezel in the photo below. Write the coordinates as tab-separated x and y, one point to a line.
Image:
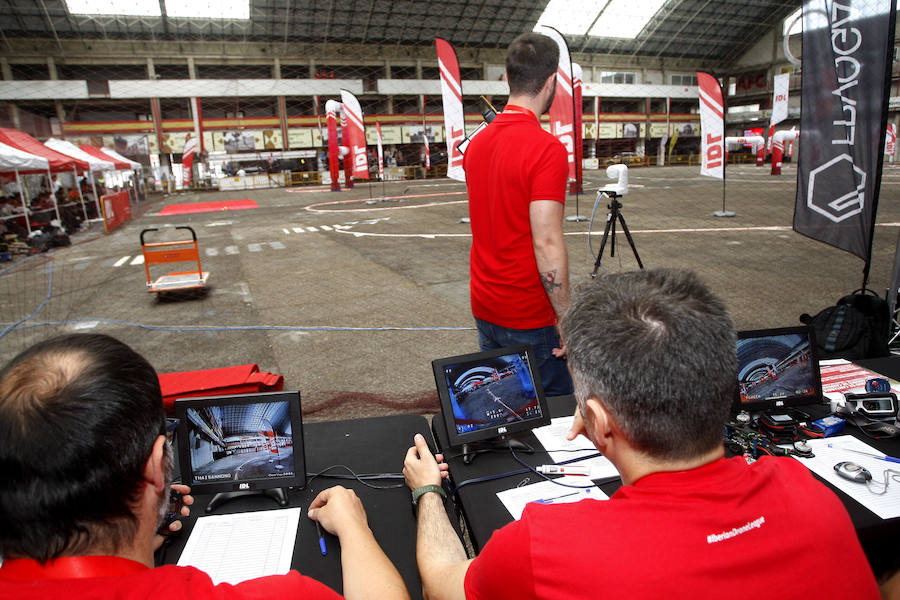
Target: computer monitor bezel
298	480
772	404
495	431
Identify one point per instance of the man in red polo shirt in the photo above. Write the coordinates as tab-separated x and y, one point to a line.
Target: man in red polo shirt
653	356
85	470
516	178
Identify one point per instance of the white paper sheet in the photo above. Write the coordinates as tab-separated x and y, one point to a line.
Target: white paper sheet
841	377
242	546
547	492
553	438
832	450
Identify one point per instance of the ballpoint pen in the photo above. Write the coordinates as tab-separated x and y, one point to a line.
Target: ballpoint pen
321	539
878	456
553	499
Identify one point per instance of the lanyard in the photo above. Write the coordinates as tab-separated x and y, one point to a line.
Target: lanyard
518	110
70	567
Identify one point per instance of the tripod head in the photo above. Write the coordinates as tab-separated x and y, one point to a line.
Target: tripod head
618	172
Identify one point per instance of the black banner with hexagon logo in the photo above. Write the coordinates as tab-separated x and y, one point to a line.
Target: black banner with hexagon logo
846	56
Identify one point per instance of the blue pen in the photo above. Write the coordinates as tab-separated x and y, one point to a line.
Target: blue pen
321	539
879	457
553	499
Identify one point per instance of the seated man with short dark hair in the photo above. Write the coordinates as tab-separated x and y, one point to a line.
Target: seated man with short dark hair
86	469
653	359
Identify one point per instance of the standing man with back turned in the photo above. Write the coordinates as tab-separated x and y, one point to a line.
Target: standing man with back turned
516	177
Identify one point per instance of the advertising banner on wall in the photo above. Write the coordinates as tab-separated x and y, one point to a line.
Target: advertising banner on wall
302	138
238	141
131	145
390	134
607	131
843	115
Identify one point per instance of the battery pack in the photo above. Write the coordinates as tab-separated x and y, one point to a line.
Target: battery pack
830	425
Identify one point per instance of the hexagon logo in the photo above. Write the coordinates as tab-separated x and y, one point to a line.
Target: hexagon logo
822	200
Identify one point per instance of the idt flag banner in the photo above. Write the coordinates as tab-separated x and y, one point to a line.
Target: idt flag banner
454	119
355	135
846	54
562	110
712	127
187	160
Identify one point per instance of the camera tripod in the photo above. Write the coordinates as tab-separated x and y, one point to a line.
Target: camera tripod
614	215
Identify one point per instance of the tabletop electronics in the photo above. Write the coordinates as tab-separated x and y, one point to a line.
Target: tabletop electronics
241	443
490	394
853	472
875	405
777	368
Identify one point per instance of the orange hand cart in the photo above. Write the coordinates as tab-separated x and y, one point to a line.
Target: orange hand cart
173	252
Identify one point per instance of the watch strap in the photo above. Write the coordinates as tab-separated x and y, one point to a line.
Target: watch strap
421	491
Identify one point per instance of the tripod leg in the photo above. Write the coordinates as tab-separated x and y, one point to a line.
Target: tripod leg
610	222
612	242
630	240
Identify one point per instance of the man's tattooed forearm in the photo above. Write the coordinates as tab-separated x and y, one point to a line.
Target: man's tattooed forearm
549	281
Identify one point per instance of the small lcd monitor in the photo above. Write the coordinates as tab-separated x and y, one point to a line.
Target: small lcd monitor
490	394
777	368
241	443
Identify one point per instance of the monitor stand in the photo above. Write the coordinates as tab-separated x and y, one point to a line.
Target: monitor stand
279	495
471	449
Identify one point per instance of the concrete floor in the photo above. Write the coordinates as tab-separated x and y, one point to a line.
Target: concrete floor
351	302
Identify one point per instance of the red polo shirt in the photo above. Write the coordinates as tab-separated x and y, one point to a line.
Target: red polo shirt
509	165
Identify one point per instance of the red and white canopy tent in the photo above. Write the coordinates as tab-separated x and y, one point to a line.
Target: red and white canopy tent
101	155
94	164
17	161
135	166
121	163
57	162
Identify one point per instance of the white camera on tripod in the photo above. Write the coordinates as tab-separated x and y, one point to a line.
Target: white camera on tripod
620	173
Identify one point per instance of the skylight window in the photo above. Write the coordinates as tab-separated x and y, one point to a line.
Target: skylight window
605	18
203	9
137	8
209	9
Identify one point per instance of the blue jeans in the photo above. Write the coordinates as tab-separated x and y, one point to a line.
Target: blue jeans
554	372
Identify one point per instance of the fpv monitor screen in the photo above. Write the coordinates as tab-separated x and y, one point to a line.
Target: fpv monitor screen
777	368
490	394
242	443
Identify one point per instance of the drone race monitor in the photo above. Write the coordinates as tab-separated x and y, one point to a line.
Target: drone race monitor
777	368
490	394
241	443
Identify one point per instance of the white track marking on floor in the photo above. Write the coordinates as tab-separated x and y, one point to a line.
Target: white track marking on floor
596	233
121	261
254	247
298	230
277	245
325	227
315	207
138	260
231	250
313	229
212	251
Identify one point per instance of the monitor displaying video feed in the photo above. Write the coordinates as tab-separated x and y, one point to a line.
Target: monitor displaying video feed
490	394
777	368
237	443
